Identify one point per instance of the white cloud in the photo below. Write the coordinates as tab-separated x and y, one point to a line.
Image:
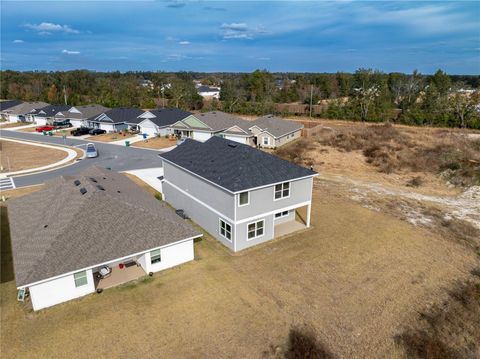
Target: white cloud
175	4
68	52
47	28
18	41
184	42
240	30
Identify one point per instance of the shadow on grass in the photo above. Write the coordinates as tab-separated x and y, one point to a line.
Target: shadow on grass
6	260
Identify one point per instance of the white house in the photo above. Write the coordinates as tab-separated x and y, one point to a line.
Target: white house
19	112
157	122
209	92
116	119
89	232
48	114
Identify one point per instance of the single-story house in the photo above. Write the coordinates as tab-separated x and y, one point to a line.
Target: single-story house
48	114
19	112
241	195
89	232
209	91
6	104
116	119
272	132
157	122
202	126
79	114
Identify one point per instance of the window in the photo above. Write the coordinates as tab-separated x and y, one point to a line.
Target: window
282	214
243	199
282	190
155	256
266	140
255	229
80	278
225	230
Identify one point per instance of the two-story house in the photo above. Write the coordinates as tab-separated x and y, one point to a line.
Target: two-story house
240	195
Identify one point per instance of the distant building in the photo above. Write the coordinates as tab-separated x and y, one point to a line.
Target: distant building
209	92
147	84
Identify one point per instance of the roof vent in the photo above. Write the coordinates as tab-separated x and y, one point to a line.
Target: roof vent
76	183
45	226
93	179
232	145
83	190
101	188
119	192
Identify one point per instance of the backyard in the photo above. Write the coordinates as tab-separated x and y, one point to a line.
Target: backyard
356	286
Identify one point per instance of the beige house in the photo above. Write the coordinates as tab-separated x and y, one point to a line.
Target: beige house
272	132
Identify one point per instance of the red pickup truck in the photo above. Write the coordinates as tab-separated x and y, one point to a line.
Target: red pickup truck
44	128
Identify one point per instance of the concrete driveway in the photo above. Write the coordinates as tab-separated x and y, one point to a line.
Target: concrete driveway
116	157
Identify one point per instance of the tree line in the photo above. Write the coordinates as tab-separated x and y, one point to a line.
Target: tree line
365	95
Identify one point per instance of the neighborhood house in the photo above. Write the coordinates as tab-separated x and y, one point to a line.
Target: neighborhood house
157	122
240	195
19	112
48	114
272	132
116	119
89	232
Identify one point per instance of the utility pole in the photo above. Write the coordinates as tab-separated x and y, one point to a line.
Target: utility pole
65	94
311	99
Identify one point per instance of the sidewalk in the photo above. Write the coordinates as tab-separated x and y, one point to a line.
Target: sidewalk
150	177
17	128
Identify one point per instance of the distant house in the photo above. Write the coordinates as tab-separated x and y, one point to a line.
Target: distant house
89	232
147	84
158	121
19	113
6	104
209	92
272	132
79	114
48	114
116	119
202	126
240	195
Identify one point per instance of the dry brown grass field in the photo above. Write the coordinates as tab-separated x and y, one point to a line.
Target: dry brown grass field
111	137
155	143
17	156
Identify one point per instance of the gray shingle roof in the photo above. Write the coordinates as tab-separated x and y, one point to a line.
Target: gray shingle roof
233	166
50	110
278	127
5	104
58	230
219	121
119	115
86	111
26	107
167	116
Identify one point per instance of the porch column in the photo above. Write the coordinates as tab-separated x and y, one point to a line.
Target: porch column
309	208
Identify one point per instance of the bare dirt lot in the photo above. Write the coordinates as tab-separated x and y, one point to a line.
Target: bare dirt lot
358	278
111	137
155	143
17	156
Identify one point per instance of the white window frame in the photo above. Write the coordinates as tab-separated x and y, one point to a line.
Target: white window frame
282	214
248	199
159	254
263	140
80	277
220	229
256	229
282	184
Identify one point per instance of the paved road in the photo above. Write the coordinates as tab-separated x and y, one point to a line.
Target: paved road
116	157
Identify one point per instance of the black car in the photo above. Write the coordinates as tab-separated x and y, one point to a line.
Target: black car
96	131
62	124
80	131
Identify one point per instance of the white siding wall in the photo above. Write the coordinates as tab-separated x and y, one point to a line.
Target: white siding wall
13	118
201	136
41	121
171	256
59	290
76	123
149	128
240	139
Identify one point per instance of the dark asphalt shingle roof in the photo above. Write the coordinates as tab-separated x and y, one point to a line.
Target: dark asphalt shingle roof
119	115
233	166
58	230
276	126
219	121
204	88
50	110
86	111
167	116
26	107
9	103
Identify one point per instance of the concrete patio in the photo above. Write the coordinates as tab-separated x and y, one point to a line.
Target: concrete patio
285	228
119	276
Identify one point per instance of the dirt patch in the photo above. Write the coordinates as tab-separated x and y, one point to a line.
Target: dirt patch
111	137
14	124
155	143
355	283
18	192
18	156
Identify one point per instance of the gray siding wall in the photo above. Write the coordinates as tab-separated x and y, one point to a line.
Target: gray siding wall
201	215
283	140
241	233
204	191
261	200
289	217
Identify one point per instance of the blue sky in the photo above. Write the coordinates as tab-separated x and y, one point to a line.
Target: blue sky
303	36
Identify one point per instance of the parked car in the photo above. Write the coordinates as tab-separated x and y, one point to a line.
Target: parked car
96	131
62	124
91	150
44	128
80	131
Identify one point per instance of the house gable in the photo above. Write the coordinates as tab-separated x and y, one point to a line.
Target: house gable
146	115
192	121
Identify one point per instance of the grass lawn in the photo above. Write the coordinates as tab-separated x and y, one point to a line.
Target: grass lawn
14	124
356	278
18	156
111	137
155	143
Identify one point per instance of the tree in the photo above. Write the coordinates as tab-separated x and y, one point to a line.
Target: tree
463	107
365	91
52	94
